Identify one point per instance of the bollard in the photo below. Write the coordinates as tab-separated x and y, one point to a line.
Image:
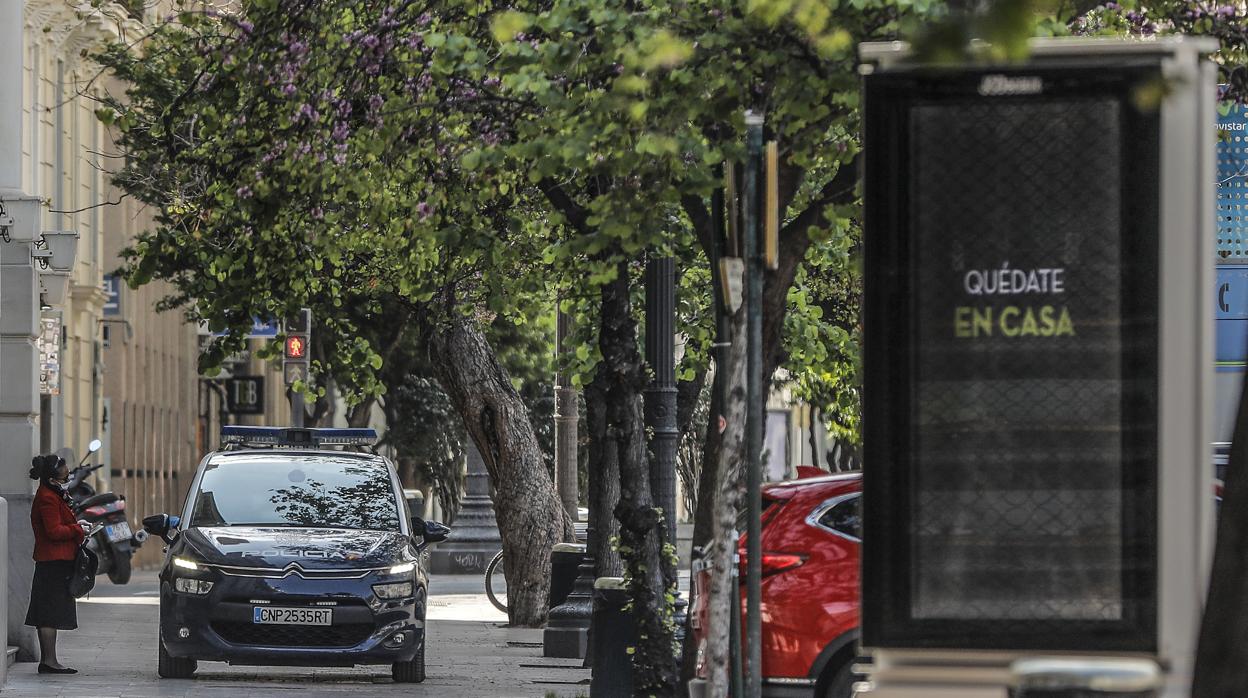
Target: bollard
565	558
1063	677
571	604
612	633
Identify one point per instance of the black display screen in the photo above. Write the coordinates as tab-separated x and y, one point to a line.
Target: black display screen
1011	361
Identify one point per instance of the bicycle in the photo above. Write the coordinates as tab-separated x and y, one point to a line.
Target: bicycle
496	566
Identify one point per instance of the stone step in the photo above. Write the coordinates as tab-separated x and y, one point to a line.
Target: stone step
12	656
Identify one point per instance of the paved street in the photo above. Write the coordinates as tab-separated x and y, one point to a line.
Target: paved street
469	655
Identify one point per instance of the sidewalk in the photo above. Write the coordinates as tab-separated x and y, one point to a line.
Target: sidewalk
470	655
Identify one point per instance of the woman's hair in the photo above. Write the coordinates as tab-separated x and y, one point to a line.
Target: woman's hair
44	467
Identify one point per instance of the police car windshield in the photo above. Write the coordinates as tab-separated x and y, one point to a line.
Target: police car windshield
309	491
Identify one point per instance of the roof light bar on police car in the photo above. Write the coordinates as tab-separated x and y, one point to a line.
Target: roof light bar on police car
289	436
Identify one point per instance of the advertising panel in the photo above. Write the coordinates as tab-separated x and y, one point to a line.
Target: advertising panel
1011	397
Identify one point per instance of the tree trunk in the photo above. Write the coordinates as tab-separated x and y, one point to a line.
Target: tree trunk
1222	653
360	414
530	517
725	500
704	508
604	479
642	530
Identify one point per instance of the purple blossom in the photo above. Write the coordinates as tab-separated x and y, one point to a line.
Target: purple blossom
424	19
243	192
717	14
246	26
492	82
288	89
426	81
340	158
375	102
424	210
1226	11
318	213
344	108
415	41
371	41
341	131
306	111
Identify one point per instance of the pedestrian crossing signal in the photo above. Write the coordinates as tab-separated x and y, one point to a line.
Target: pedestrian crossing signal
296	347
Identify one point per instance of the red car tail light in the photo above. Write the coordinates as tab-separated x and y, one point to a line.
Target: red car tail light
773	563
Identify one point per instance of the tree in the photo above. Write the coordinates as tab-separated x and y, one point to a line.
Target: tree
277	186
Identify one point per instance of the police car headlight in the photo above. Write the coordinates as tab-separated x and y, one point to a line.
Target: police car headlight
185	563
396	590
403	568
192	586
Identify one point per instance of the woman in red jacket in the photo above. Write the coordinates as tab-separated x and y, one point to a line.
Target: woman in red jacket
57	536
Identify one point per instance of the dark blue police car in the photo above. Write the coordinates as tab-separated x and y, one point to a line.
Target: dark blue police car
289	552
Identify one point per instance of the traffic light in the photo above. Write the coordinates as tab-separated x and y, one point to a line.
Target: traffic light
298	333
296	347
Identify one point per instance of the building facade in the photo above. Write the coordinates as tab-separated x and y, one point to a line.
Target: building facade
81	356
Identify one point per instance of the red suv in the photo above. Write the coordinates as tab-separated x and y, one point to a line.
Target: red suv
811	530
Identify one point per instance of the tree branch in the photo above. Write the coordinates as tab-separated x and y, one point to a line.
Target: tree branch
574	212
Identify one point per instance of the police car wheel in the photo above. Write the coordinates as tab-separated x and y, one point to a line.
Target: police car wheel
410	672
413	671
168	667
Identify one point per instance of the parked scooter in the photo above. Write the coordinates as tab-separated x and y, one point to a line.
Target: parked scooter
113	541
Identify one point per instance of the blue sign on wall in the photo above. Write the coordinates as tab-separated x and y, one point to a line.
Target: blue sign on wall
1231	313
1232	156
1231	301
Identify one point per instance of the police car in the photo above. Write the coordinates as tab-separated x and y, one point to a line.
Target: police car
291	552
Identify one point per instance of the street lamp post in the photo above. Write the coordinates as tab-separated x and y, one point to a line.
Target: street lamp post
754	400
565	425
660	394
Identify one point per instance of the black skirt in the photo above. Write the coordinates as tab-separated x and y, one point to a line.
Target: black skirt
51	605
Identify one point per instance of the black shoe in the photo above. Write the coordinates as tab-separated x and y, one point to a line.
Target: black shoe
45	669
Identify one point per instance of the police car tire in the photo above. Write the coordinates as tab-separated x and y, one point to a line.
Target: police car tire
410	672
168	667
413	671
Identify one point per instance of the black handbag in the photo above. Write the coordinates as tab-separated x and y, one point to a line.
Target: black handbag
86	563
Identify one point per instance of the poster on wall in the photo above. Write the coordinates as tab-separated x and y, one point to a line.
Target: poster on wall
49	343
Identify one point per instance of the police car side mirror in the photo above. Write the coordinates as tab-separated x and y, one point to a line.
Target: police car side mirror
436	532
161	525
430	532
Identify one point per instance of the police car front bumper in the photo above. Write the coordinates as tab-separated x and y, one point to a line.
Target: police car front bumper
220	625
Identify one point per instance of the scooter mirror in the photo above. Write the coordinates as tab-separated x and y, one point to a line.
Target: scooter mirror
94	445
